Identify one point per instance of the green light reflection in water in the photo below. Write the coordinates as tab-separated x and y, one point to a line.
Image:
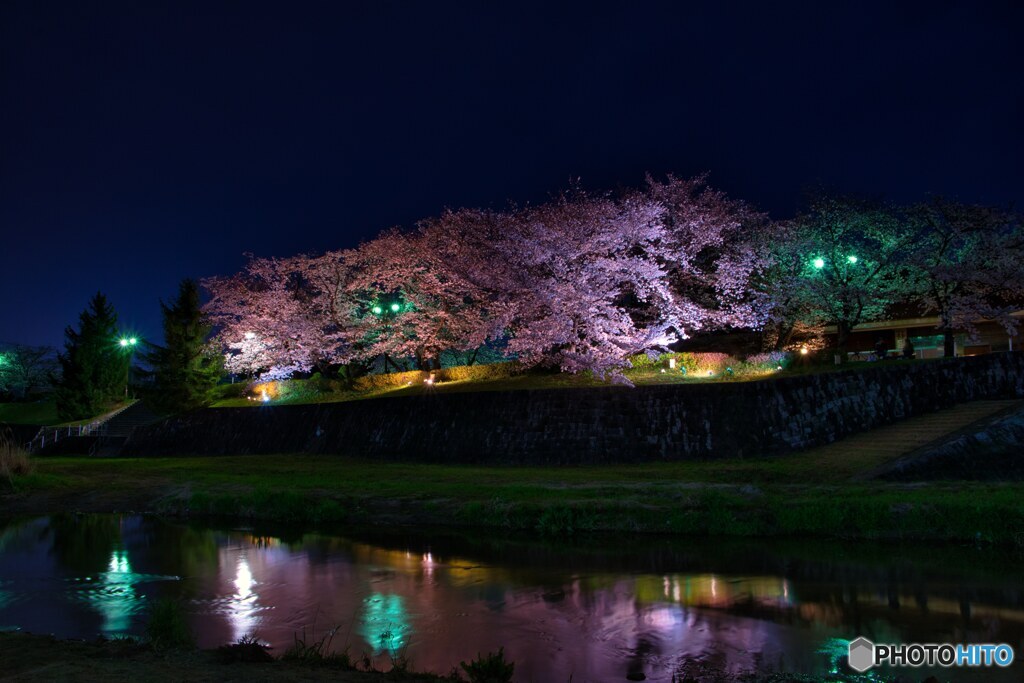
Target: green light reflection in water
385	623
115	597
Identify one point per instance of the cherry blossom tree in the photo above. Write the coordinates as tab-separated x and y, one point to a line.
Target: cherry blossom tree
412	302
968	266
709	252
270	317
582	283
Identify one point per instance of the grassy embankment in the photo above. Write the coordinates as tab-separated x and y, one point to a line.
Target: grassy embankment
815	493
298	392
43	413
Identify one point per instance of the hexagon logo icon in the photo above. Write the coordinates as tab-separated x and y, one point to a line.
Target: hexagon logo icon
862	654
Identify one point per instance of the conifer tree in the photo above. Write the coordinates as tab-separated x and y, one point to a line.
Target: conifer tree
186	368
94	368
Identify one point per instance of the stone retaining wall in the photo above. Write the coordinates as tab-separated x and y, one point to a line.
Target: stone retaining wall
598	425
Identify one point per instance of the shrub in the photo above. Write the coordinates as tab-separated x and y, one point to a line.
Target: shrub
490	668
642	360
236	390
770	361
700	364
168	627
14	461
475	373
461	373
389	381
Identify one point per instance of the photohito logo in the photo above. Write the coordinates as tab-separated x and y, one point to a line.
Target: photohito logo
864	654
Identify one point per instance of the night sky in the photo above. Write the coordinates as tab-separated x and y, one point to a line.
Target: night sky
145	142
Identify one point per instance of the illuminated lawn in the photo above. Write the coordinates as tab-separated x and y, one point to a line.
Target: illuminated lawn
304	393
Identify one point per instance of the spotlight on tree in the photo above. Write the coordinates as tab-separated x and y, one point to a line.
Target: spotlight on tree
818	263
377	310
394	308
851	259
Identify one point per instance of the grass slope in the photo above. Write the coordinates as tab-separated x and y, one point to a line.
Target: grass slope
815	493
305	392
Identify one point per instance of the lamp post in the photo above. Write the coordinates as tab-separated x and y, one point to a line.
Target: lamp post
128	344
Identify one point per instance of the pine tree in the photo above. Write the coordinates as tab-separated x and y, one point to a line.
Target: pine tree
186	369
94	368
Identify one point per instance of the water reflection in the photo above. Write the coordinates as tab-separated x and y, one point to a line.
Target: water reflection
592	613
114	597
243	605
385	624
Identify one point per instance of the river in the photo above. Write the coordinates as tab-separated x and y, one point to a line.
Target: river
595	609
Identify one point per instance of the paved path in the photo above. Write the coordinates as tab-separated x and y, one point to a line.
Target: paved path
868	450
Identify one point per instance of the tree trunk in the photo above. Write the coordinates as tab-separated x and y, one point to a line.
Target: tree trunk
948	343
842	339
472	357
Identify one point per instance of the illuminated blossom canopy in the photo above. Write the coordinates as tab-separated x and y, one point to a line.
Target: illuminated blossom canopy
582	283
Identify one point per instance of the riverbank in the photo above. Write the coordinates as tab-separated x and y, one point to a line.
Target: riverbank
804	494
29	657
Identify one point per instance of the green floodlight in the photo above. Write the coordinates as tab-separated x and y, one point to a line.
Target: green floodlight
377	310
818	263
123	342
851	259
394	308
133	341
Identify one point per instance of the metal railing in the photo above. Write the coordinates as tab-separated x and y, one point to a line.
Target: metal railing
53	434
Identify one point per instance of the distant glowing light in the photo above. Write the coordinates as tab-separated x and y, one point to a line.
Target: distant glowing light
133	341
264	396
663	371
818	263
250	335
778	367
394	308
377	310
851	259
803	350
123	342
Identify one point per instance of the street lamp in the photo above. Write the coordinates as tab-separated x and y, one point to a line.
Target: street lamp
128	343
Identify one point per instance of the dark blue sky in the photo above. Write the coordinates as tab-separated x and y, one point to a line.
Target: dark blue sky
144	142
